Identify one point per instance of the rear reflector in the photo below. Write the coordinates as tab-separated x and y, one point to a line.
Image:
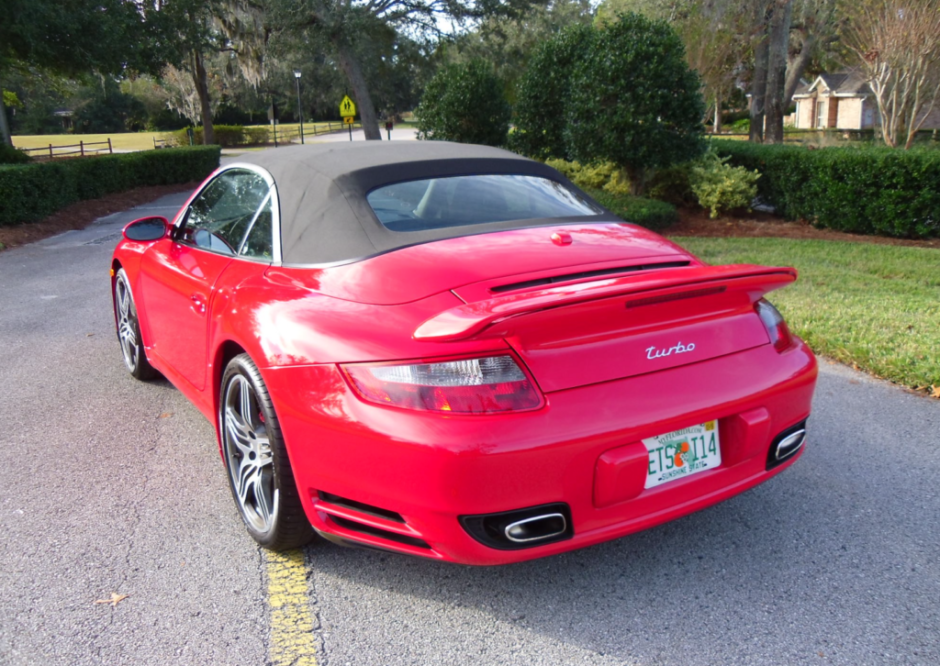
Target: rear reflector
468	386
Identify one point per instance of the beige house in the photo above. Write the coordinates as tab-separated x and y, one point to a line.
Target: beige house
842	101
836	101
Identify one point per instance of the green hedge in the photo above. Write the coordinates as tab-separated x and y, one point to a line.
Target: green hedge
866	190
32	191
11	155
225	135
649	213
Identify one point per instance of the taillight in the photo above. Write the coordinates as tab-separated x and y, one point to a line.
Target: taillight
466	386
776	327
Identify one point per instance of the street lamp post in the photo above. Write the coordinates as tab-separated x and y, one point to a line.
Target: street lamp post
300	111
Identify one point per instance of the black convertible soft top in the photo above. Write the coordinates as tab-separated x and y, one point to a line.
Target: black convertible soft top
322	190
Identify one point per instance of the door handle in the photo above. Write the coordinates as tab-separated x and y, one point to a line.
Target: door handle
199	303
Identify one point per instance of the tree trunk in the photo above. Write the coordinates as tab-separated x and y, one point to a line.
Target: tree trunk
350	67
4	128
796	68
777	70
759	80
716	127
202	89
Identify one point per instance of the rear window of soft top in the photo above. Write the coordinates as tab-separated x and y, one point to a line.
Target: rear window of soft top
434	203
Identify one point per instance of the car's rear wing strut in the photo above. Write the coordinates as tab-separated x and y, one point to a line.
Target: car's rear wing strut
466	321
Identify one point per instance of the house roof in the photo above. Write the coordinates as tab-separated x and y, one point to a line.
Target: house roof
840	84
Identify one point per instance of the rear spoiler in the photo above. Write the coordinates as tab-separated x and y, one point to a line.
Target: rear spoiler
466	321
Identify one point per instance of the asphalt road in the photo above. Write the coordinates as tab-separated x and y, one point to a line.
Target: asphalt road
111	486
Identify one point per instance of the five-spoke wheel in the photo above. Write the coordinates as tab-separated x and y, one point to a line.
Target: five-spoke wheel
256	459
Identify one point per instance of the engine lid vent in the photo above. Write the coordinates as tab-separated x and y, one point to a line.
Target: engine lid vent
568	277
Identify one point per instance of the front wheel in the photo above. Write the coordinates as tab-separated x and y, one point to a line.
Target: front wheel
259	471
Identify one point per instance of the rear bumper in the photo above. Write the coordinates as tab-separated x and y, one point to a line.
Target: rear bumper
432	468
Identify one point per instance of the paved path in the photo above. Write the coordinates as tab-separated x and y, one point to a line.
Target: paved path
114	486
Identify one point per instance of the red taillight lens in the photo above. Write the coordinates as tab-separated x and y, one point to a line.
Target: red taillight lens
776	327
468	386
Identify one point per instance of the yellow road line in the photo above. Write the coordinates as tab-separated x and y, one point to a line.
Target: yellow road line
293	642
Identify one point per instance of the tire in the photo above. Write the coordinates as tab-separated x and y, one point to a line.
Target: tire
128	330
256	461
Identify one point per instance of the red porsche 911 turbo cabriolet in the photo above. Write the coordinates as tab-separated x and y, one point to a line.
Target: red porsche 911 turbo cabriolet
450	351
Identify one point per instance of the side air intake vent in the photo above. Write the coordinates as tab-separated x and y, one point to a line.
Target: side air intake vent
362	528
361	507
528	284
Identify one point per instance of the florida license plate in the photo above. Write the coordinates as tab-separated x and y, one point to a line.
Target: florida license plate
682	453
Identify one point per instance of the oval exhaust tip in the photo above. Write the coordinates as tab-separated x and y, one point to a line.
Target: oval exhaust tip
536	528
790	444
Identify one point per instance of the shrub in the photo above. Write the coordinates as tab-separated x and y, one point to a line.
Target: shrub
33	191
11	155
605	176
543	92
634	101
869	190
719	186
225	136
257	135
649	213
464	103
671	184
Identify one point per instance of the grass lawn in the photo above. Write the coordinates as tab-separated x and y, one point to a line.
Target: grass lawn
125	141
138	140
873	306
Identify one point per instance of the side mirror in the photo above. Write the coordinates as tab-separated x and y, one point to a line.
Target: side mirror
146	229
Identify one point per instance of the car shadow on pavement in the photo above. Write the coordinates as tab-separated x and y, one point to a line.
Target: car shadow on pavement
789	571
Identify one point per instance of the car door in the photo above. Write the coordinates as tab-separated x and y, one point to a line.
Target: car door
178	275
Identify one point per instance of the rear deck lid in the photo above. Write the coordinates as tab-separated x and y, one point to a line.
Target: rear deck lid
419	271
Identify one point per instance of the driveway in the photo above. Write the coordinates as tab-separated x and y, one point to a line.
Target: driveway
112	486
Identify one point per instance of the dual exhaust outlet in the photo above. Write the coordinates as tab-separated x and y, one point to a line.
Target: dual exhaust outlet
548	523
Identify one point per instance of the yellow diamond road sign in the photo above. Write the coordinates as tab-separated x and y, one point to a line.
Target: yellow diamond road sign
347	107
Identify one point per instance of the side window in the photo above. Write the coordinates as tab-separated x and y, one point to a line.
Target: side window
220	216
258	243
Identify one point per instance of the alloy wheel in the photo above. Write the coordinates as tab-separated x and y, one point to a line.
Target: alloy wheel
248	454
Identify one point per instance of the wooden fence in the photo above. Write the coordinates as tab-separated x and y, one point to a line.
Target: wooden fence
80	149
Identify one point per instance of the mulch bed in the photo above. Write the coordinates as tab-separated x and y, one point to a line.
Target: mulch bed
695	222
82	213
692	222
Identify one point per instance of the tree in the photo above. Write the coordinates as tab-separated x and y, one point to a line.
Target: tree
770	43
713	32
815	28
787	35
73	36
544	91
189	31
464	103
344	25
509	45
897	44
179	93
109	110
634	100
